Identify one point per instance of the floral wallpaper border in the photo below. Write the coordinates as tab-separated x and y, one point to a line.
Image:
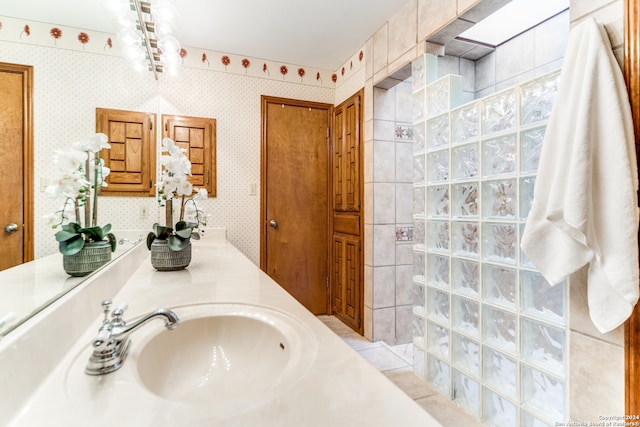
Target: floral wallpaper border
51	35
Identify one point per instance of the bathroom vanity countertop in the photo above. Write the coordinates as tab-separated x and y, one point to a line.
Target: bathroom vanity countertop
339	388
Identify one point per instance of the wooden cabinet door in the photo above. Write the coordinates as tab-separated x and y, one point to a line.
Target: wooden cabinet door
132	157
347	279
347	261
198	137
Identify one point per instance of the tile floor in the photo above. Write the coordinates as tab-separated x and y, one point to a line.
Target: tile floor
395	363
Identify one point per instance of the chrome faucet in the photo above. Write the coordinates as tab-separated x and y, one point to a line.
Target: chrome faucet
111	345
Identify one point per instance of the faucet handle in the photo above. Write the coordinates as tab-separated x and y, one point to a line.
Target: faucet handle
117	314
106	308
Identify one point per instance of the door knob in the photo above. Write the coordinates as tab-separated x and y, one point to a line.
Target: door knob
273	223
10	228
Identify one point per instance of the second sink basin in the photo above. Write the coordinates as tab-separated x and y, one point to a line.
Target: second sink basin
225	354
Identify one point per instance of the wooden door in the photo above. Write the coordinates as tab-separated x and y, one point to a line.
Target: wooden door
347	265
294	235
198	137
16	156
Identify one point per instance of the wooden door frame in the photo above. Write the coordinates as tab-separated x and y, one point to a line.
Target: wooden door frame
28	205
632	76
264	222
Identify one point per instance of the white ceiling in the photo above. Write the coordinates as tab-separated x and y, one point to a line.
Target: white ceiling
320	34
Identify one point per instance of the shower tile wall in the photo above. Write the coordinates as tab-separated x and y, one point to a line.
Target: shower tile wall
392	188
489	332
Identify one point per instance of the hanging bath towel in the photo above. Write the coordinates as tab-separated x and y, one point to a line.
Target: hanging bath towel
585	202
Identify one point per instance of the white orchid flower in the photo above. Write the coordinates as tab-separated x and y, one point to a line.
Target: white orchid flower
201	194
168	144
184	188
94	143
68	161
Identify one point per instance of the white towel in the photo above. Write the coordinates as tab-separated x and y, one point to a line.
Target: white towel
585	201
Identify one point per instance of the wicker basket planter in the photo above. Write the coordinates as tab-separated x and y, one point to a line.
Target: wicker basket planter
164	259
92	256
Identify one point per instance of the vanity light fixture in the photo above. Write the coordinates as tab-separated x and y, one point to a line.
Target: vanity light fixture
145	34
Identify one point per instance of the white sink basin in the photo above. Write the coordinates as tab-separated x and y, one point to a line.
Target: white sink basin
238	350
230	357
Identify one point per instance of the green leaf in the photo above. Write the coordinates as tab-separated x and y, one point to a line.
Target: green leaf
93	233
72	227
175	243
162	232
184	233
150	238
106	229
181	225
72	246
63	235
111	238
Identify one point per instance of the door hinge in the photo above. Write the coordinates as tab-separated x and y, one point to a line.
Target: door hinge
327	132
207	176
166	128
150	125
359	245
327	282
150	183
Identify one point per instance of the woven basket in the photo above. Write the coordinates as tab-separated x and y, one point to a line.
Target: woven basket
164	259
91	257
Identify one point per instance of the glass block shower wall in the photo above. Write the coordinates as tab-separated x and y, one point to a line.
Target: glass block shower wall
488	331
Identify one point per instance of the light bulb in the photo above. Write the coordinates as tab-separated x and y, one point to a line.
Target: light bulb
169	45
128	37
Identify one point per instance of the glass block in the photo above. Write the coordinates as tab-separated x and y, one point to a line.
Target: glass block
466	315
438	236
418	169
543	345
499	371
418	234
439	96
465	276
464	200
466	238
439	375
542	393
498	411
419	112
438	200
418	325
437	132
537	97
499	329
530	147
499	113
438	305
419	137
418	296
465	161
438	166
499	286
438	340
524	260
464	124
527	185
419	363
419	194
418	267
542	300
418	73
499	242
499	199
438	270
528	420
499	155
465	354
466	393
